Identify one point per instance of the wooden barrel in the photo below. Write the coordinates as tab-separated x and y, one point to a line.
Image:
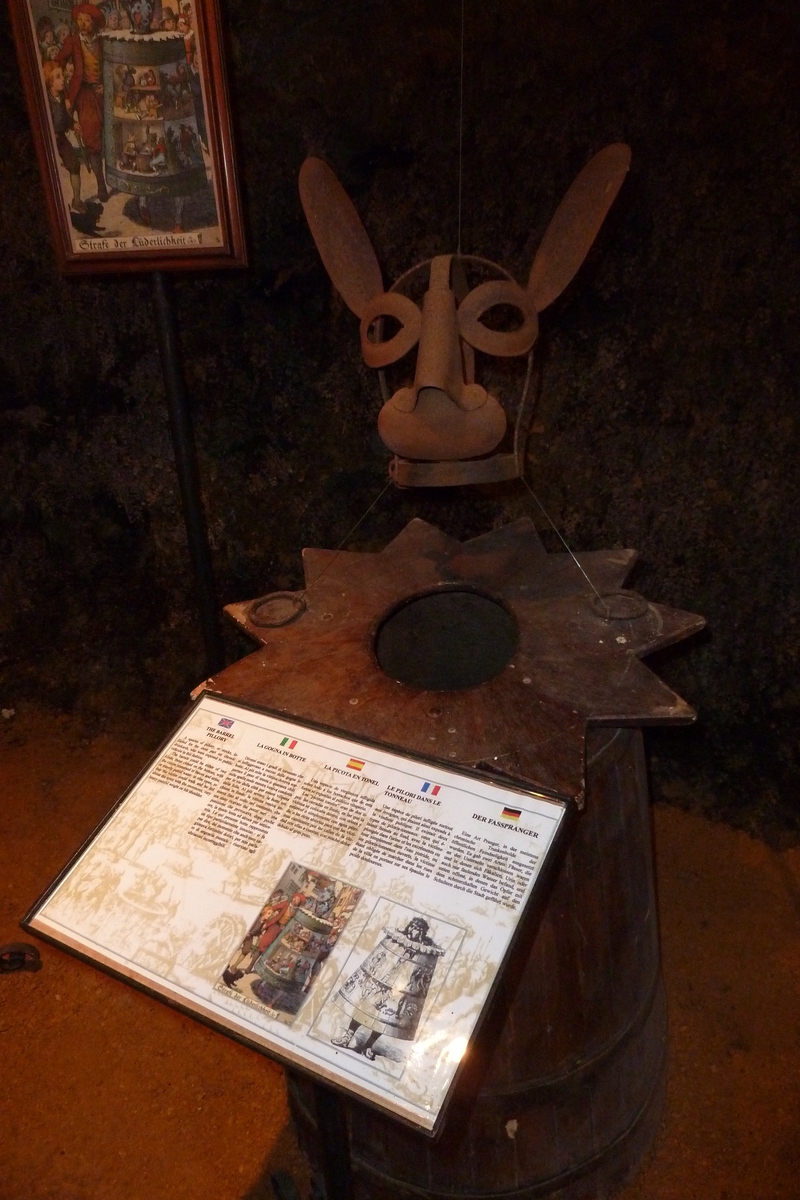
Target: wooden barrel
564	1098
562	1095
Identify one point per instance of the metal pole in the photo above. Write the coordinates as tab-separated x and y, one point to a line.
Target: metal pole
334	1143
186	463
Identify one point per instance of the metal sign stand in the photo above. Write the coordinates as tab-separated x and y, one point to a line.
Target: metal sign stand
180	422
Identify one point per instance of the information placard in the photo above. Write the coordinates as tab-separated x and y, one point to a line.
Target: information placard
341	906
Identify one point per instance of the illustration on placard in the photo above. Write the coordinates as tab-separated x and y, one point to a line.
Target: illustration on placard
376	1010
280	958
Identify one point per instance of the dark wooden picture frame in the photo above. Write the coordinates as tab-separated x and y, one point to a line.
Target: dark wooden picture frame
136	153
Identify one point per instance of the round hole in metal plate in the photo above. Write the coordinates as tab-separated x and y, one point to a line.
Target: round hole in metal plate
447	639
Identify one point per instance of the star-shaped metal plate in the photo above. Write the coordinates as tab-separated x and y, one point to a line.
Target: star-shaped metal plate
574	666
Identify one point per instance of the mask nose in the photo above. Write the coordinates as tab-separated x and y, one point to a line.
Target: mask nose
438	355
439	375
441	416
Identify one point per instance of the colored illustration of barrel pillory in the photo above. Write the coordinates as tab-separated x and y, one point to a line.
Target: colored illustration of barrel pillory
131	121
289	965
154	127
387	993
286	947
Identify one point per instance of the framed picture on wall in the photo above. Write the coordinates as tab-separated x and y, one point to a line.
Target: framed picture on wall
129	106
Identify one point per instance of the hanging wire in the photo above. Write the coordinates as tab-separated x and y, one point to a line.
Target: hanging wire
562	539
304	591
270	611
461	129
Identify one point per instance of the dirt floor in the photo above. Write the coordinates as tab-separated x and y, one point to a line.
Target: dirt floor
108	1093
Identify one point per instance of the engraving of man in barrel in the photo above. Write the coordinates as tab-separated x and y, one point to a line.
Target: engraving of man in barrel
387	993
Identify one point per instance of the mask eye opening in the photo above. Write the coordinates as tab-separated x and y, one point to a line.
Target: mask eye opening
503	317
383	328
393	314
503	334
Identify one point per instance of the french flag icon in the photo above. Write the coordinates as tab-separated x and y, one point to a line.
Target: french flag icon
431	788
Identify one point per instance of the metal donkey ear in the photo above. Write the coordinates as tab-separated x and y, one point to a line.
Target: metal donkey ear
444	425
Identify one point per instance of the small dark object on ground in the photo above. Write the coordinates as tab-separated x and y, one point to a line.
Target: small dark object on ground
19	956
